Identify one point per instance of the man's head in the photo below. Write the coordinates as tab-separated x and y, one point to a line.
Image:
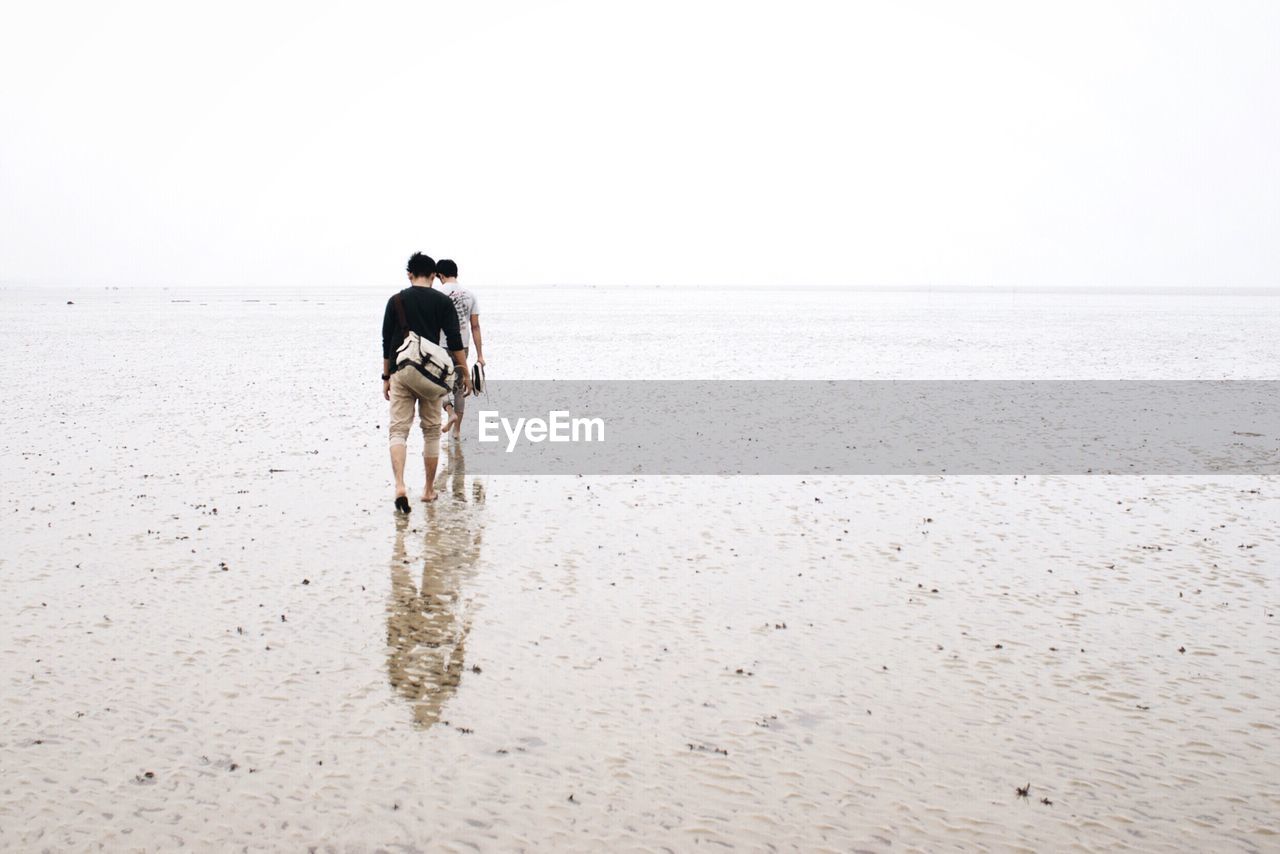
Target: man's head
421	269
447	270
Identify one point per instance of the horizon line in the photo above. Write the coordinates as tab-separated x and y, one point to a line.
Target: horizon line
1123	290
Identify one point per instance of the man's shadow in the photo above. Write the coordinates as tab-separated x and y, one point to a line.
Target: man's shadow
428	623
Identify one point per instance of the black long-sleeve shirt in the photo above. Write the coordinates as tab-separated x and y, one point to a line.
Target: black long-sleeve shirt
429	312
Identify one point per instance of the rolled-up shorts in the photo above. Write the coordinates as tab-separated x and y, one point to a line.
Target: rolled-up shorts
409	387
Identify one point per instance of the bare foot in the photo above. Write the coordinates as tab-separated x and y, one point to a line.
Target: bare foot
429	494
449	424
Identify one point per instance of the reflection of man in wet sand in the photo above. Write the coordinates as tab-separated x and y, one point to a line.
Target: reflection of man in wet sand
427	624
458	478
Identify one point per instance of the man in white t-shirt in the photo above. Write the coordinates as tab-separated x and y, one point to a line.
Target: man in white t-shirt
469	325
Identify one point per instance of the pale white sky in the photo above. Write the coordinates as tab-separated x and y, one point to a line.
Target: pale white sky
887	143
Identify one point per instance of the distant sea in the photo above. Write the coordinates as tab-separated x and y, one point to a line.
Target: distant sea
651	332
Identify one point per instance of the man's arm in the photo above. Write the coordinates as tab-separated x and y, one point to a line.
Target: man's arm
475	336
388	330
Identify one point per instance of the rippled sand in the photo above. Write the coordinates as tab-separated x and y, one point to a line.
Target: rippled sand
215	634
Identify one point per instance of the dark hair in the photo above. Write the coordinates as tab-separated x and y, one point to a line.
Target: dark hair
420	265
447	268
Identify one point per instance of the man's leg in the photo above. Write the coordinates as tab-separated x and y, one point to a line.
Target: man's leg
398	428
430	399
459	406
398	453
448	415
455	403
431	464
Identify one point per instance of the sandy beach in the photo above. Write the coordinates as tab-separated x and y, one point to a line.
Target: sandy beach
879	449
216	635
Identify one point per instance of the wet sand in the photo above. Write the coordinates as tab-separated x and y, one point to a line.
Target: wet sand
229	641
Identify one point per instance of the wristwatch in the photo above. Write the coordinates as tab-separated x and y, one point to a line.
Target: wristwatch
386	377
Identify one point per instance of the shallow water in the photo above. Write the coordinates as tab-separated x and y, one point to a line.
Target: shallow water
580	663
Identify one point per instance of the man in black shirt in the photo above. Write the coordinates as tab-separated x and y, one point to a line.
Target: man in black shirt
428	313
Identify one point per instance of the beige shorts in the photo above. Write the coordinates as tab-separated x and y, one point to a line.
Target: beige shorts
407	388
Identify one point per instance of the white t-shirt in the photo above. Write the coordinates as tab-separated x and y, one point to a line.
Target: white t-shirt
464	302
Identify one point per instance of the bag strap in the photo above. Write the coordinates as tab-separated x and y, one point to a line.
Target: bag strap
403	321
